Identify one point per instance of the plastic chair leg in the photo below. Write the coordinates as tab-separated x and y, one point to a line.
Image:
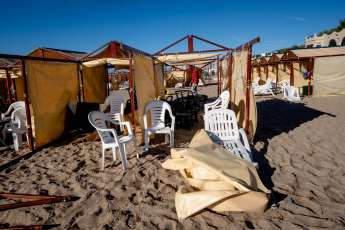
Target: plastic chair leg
114	153
147	140
123	156
136	147
172	139
166	138
103	158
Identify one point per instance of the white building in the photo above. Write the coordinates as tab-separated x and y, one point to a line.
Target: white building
334	39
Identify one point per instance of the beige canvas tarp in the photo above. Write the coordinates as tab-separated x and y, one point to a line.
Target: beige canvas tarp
185	57
329	76
263	75
225	74
119	63
145	87
238	93
298	69
174	77
52	86
219	180
283	71
94	79
159	81
255	73
272	72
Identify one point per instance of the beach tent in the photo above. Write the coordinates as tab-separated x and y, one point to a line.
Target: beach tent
255	70
242	105
281	69
329	76
302	61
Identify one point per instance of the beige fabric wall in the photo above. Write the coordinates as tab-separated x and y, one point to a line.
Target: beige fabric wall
255	73
283	71
19	88
272	72
263	73
238	93
225	74
51	87
159	81
298	69
329	76
145	88
173	77
94	83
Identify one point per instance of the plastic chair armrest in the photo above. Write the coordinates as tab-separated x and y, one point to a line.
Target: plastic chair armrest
128	125
244	138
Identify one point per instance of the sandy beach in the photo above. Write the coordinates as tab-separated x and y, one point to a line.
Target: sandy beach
298	145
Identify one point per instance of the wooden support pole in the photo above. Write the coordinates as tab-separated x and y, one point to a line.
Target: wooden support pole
311	62
266	72
218	90
82	85
27	106
131	90
277	68
14	90
230	78
248	84
8	85
291	72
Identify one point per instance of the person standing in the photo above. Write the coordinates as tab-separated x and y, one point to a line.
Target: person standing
194	81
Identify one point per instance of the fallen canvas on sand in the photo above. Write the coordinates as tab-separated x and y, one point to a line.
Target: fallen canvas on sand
219	180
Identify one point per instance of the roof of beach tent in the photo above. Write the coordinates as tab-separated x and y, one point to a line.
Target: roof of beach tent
5	62
55	54
275	58
307	53
264	61
255	62
113	49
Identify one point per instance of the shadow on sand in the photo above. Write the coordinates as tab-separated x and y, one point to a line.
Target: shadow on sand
275	117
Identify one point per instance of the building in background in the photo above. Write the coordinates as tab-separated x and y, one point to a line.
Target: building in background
334	39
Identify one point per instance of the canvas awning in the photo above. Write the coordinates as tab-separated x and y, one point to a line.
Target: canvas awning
189	63
119	63
313	52
185	57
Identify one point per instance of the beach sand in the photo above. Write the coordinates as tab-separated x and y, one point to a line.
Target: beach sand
298	145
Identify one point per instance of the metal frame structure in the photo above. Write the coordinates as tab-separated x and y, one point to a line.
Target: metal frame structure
230	51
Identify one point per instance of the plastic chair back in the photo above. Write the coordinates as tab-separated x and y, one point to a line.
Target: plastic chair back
221	124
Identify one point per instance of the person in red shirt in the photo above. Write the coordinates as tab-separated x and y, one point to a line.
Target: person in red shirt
194	81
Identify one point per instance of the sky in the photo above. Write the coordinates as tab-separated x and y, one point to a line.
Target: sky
151	25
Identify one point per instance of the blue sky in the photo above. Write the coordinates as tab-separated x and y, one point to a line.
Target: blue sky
151	25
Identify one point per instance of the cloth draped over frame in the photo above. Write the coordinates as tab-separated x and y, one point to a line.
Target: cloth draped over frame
219	180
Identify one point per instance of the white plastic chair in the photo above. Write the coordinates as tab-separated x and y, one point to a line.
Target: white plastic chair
116	103
157	110
200	83
291	93
13	106
7	116
256	82
221	125
178	85
125	85
109	137
222	102
284	83
264	89
18	127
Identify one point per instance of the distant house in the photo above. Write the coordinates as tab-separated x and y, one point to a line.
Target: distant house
334	39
